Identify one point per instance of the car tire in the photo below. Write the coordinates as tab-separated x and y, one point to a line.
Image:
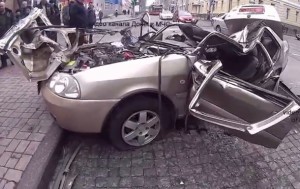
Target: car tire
218	29
129	112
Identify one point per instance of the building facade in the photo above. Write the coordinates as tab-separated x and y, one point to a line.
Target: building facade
288	10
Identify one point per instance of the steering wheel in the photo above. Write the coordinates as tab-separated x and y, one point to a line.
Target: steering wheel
144	37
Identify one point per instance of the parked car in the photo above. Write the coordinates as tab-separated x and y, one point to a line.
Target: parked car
219	25
206	75
166	15
183	16
242	15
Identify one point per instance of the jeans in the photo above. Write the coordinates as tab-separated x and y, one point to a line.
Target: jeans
91	35
72	37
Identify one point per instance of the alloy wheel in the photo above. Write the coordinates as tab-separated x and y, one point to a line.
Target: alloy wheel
141	128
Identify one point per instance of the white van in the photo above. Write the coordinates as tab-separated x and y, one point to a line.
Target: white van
242	15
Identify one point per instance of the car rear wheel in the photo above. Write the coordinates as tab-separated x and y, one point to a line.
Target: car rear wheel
218	29
137	123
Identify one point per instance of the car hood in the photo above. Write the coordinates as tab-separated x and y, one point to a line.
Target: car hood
37	55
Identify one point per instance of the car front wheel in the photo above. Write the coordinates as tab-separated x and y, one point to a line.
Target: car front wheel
218	29
137	123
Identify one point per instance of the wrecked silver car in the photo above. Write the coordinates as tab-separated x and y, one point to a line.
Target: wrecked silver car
233	82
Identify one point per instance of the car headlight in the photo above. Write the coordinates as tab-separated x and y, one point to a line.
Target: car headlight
64	85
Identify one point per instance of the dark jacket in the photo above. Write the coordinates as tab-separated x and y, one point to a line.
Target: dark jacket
6	21
66	15
78	16
23	12
91	17
100	15
52	12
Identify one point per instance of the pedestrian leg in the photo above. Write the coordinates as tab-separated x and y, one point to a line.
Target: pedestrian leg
91	35
3	61
91	38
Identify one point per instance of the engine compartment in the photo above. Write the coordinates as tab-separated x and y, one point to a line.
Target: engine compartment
101	54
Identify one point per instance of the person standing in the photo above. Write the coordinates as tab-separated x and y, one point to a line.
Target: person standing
6	21
78	19
91	19
18	15
23	11
55	13
66	14
116	13
100	16
52	12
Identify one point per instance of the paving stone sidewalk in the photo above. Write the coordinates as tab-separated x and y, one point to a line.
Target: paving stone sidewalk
187	161
24	122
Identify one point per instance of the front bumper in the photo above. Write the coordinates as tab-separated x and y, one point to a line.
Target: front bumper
84	116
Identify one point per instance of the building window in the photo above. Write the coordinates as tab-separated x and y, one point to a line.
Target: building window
297	13
260	2
287	13
238	2
222	4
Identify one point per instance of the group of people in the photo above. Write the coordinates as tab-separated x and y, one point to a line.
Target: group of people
74	15
126	12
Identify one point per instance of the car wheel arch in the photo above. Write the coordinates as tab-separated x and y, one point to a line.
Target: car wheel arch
150	94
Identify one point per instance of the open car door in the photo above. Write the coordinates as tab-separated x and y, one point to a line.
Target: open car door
252	113
242	107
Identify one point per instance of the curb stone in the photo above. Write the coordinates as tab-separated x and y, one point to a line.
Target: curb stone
39	170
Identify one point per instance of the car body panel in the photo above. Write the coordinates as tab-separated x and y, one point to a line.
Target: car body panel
253	113
85	116
32	51
119	80
219	22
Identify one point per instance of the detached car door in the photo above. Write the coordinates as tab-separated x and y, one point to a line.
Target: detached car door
252	113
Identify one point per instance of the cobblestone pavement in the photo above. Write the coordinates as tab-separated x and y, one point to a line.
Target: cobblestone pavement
24	122
205	160
212	160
